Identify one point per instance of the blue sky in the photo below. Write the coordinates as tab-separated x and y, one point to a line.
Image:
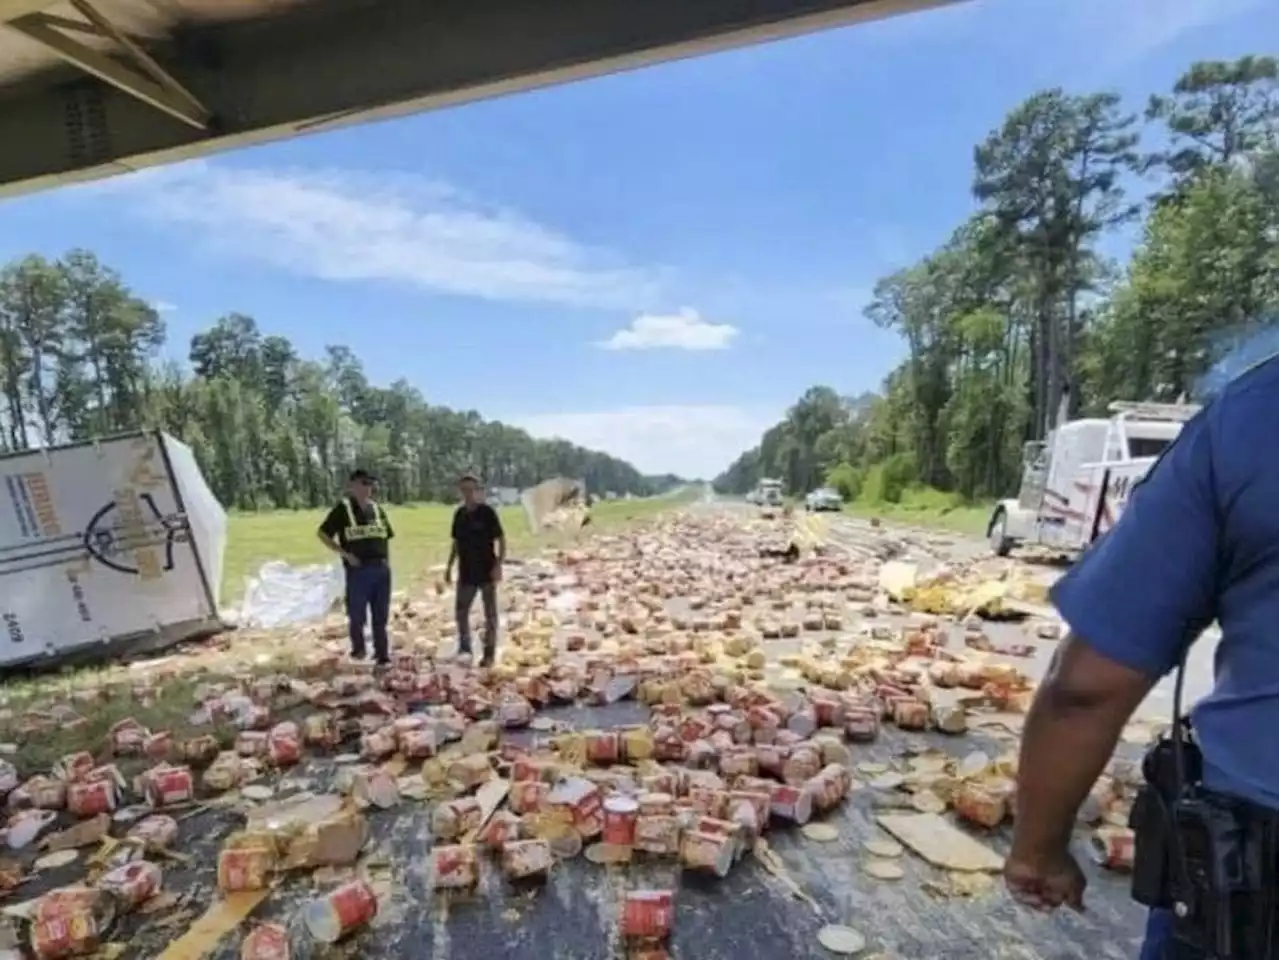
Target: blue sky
655	263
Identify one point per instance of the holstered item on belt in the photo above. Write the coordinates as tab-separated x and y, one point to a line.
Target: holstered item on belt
1208	858
1223	889
1209	880
1152	819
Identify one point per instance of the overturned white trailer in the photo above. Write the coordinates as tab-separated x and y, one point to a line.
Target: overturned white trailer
115	544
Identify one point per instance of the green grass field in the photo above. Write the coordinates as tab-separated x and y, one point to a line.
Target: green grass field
969	520
421	541
928	508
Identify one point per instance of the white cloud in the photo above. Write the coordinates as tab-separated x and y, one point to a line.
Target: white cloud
163	306
343	225
1149	25
1116	35
682	330
696	440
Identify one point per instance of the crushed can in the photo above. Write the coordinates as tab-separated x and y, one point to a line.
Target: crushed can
526	859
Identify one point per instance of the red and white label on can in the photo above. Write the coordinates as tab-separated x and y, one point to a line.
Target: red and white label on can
1113	848
526	796
244	868
157	832
620	814
69	934
133	883
65	901
92	797
523	859
603	747
167	786
454	867
791	802
581	799
502	828
660	781
648	914
127	737
267	941
339	912
284	744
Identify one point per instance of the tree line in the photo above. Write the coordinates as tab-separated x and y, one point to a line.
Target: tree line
1020	317
78	359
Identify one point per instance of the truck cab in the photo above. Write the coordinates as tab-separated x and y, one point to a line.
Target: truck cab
768	494
1076	482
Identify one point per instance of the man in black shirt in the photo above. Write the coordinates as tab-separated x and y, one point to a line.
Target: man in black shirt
479	548
358	531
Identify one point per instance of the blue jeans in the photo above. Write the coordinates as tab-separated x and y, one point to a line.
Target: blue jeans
369	595
1158	943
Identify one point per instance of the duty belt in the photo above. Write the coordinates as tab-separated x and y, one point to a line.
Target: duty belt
1208	858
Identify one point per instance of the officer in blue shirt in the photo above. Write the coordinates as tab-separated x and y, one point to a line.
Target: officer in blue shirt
1196	543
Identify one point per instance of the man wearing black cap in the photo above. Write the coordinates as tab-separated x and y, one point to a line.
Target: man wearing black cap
357	530
479	548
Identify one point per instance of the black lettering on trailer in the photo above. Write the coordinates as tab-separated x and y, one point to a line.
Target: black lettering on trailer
12	627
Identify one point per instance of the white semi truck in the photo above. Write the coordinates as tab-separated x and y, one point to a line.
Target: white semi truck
1077	481
107	545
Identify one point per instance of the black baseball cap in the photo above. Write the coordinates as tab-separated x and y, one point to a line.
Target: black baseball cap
361	475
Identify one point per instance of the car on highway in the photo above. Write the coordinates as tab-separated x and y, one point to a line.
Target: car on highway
822	499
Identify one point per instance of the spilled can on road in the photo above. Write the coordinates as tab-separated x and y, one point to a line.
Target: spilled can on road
526	859
133	883
267	941
454	867
620	813
1112	848
340	912
647	915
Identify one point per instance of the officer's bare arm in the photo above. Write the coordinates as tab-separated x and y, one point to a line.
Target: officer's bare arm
1071	730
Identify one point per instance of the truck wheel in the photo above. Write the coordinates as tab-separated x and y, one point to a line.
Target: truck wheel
1001	545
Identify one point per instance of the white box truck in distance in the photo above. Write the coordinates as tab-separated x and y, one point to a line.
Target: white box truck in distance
1077	482
107	544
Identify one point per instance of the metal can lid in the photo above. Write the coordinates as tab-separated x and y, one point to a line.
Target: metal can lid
322	921
621	803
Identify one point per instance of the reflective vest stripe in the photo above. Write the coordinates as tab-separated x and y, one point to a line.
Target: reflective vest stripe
364	531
